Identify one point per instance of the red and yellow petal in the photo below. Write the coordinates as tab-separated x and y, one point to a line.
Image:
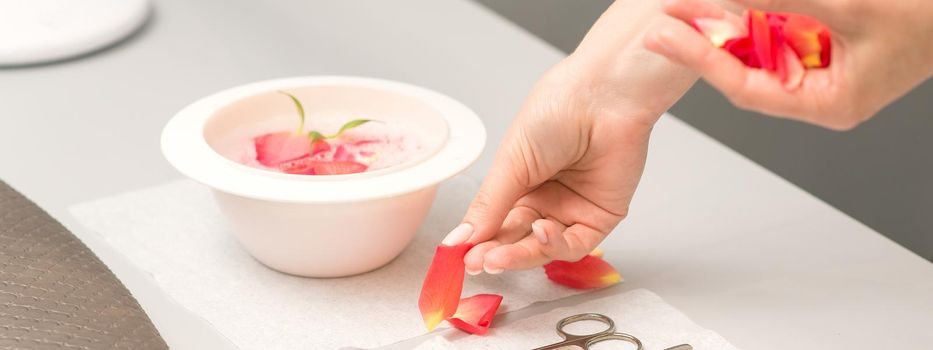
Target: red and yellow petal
765	38
810	40
588	273
597	252
474	314
440	292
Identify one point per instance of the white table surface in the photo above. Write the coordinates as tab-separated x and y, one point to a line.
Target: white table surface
735	247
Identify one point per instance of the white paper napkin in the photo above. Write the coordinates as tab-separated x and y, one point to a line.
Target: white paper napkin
176	234
640	313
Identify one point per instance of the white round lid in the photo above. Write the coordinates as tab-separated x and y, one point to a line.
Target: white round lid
37	31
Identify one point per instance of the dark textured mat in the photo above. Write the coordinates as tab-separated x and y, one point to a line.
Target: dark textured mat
55	293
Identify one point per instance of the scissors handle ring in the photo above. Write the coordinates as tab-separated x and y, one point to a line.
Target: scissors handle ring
615	336
585	317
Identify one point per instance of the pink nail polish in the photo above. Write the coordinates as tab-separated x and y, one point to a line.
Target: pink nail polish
539	233
492	271
459	234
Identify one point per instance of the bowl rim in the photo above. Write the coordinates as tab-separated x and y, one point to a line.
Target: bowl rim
185	147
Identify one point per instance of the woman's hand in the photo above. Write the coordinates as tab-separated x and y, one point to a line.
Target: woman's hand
562	180
569	165
881	49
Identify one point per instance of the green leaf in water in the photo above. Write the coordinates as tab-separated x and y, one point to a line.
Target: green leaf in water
349	125
301	111
316	136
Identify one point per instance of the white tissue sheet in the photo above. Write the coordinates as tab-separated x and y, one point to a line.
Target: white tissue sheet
640	313
175	233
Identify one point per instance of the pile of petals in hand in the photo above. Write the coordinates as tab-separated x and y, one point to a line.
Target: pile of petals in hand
784	43
440	294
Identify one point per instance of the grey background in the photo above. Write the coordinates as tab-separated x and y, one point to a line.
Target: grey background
880	173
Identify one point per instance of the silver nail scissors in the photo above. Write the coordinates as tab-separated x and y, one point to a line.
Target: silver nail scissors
583	341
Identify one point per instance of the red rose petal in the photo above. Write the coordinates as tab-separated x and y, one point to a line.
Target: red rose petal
474	314
759	30
275	148
302	166
319	146
342	155
744	50
826	48
810	40
588	273
337	168
440	292
767	35
312	166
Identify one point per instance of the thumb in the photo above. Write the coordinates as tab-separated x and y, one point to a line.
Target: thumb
506	182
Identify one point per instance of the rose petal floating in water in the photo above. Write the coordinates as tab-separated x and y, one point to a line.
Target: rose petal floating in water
275	148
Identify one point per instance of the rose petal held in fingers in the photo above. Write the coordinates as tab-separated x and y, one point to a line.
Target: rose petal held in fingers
719	31
588	273
810	40
440	292
474	314
275	148
597	252
766	45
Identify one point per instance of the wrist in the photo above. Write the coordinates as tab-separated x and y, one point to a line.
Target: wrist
633	82
612	64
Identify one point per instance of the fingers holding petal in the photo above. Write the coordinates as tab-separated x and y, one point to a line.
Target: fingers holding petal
516	226
748	88
563	243
521	255
573	243
475	258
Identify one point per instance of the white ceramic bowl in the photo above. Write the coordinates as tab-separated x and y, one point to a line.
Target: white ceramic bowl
333	225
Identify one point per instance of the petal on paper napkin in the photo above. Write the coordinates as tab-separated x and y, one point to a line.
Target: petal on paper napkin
440	292
474	314
588	273
275	148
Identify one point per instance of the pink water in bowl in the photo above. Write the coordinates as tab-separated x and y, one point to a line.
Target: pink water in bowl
373	146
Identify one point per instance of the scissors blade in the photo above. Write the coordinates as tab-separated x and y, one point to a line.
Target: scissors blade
681	347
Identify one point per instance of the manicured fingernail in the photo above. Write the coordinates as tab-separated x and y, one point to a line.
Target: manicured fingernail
539	233
473	272
492	271
458	235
